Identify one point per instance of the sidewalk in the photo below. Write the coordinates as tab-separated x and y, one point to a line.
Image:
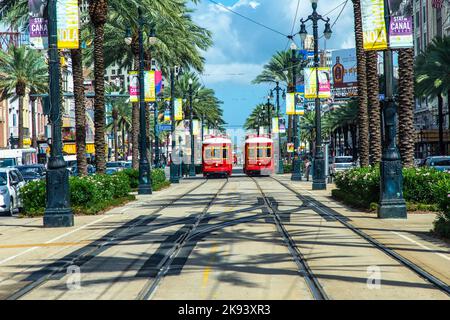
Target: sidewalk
26	246
411	237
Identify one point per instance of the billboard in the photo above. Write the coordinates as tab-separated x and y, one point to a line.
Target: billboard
324	75
68	24
38	24
374	25
344	73
401	24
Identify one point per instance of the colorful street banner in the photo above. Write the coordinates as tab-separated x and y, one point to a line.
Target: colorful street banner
311	83
290	147
275	125
290	103
295	104
150	86
134	86
178	105
158	82
374	25
344	70
38	25
68	21
401	24
282	126
196	127
167	115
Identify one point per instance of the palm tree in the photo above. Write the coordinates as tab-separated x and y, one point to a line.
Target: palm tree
363	118
22	69
258	118
373	93
433	77
406	132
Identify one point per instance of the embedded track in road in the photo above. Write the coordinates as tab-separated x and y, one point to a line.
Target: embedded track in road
329	213
164	266
305	271
94	249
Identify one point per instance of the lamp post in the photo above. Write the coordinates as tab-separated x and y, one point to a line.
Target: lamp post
296	164
277	89
174	168
58	212
269	112
319	182
145	182
191	130
392	203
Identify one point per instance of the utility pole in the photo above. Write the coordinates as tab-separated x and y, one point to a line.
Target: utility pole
174	168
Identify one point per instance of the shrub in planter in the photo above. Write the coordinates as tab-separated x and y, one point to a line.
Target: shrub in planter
442	223
133	175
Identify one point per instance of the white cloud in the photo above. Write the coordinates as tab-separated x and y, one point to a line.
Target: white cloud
241	73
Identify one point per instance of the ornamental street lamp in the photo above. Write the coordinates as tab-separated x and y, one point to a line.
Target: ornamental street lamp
296	164
392	203
174	168
319	182
269	112
277	89
191	129
58	212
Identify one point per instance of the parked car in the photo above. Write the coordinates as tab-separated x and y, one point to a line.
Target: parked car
342	163
111	171
74	170
441	163
32	172
119	165
11	182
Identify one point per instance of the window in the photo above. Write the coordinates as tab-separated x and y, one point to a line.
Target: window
14	120
113	71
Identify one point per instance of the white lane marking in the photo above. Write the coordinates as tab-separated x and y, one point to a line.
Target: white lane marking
421	245
53	240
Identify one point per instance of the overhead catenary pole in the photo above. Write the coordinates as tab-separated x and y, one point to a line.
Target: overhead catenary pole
296	164
191	131
174	163
392	203
145	183
280	157
58	212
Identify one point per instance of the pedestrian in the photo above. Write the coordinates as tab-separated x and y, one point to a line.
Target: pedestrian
307	168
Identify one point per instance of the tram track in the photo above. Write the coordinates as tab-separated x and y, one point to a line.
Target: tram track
164	266
92	250
437	283
305	271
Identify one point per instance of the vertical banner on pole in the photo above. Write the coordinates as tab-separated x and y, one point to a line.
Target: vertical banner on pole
178	109
150	86
158	82
311	83
167	115
134	86
195	127
282	126
401	24
374	25
290	103
68	24
275	125
38	25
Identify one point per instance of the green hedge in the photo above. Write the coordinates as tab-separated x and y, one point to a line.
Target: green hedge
422	188
91	194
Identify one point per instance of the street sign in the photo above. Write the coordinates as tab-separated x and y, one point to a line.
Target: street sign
164	127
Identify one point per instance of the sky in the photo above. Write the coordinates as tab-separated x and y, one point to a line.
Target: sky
241	48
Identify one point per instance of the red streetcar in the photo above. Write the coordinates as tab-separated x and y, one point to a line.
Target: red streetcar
217	157
258	156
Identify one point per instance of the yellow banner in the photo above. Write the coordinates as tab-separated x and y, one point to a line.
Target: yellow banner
374	25
150	86
324	75
178	109
290	103
68	24
275	125
196	127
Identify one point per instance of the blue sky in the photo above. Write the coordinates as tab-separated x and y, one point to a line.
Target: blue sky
241	48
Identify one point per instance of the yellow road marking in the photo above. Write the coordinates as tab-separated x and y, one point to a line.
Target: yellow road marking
44	245
207	269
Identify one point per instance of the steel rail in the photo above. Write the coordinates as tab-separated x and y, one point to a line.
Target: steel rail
305	271
392	253
150	288
90	253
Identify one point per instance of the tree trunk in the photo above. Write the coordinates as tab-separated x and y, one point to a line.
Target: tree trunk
115	136
354	147
363	119
80	110
406	132
441	125
20	124
124	156
33	123
373	94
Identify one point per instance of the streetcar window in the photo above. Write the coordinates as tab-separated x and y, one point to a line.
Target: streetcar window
251	153
225	153
260	153
269	152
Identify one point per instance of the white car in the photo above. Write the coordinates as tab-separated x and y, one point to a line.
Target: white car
11	181
342	163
